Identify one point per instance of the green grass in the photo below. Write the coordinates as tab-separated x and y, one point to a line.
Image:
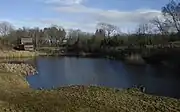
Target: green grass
16	96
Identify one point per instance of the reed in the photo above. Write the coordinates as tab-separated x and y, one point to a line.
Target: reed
17	54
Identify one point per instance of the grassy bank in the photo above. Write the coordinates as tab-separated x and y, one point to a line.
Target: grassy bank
22	69
16	96
17	54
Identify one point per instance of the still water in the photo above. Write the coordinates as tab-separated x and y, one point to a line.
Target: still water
58	72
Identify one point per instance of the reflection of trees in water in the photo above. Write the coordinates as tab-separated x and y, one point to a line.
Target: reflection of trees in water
161	71
130	74
57	72
154	78
110	73
99	76
99	66
67	72
133	74
51	71
84	69
144	74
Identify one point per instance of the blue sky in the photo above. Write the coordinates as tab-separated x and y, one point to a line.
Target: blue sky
82	14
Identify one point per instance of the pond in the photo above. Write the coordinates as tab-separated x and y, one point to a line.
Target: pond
64	71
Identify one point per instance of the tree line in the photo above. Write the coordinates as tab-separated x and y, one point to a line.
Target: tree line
159	30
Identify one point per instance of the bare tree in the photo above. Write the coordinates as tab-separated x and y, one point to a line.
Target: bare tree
160	25
109	28
143	29
172	14
5	28
74	33
144	33
100	33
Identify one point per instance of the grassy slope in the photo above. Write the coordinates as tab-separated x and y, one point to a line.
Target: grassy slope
16	96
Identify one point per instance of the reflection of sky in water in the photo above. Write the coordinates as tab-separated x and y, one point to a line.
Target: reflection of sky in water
57	72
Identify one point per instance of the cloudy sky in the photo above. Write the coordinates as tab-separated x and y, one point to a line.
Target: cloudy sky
82	14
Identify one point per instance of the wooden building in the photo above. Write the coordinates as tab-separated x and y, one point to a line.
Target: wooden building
25	43
100	33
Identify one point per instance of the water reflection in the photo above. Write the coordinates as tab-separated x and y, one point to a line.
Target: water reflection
57	72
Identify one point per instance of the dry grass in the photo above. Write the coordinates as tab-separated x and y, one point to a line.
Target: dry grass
86	99
16	60
16	96
23	69
17	54
12	81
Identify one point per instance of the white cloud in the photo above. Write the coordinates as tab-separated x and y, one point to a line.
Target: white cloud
64	2
111	16
76	9
67	24
86	18
47	22
123	19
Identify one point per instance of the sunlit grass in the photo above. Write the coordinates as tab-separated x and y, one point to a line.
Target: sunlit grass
81	98
17	54
23	69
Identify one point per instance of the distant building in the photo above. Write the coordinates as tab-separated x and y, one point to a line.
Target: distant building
100	33
26	40
26	43
64	41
